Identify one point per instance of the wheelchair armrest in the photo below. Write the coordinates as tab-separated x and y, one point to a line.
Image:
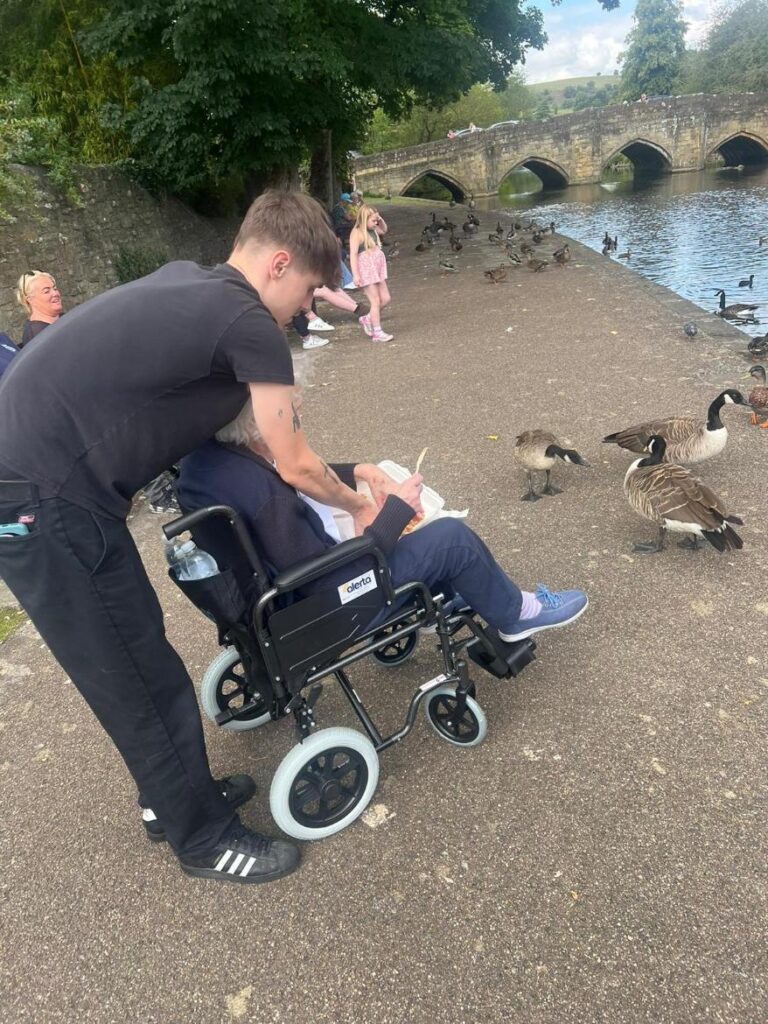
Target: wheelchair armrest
313	568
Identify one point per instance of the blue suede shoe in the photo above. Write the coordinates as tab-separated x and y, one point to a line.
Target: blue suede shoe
557	609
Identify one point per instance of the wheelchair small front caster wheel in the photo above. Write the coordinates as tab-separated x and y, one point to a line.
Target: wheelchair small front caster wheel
324	783
223	689
466	730
396	652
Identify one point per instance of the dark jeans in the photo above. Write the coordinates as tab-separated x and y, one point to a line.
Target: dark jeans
448	554
80	579
301	321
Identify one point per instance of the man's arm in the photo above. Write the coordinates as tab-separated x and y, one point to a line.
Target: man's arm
280	426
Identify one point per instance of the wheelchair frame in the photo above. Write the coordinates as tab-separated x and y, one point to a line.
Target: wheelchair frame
460	720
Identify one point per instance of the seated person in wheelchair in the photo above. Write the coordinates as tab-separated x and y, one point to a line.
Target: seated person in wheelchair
236	468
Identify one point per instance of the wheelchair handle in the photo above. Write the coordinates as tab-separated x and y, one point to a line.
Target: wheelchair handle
192	519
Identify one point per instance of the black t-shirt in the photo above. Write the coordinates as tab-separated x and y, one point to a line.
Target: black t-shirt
129	382
31	329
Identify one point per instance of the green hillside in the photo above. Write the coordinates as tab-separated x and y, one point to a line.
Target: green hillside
557	88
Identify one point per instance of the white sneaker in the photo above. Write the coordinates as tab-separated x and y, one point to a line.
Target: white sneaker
318	324
313	342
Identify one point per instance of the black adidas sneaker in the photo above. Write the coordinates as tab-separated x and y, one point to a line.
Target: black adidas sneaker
237	790
245	857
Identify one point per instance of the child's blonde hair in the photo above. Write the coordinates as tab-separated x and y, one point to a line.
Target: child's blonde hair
361	225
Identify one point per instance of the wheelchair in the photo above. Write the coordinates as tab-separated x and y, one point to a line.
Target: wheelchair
278	645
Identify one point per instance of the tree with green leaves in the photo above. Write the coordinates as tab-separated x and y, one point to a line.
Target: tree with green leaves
734	57
653	59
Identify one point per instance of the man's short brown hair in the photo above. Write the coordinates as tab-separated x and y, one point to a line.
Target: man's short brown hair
300	224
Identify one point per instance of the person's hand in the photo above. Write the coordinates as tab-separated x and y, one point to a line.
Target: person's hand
357	281
380	483
364	516
409	491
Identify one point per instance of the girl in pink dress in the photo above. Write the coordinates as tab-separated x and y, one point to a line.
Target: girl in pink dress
369	268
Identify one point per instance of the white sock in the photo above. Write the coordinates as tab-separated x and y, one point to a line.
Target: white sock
531	606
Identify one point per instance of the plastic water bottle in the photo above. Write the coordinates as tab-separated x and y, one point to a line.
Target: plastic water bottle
188	562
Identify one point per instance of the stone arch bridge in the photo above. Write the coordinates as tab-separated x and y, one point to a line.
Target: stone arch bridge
680	133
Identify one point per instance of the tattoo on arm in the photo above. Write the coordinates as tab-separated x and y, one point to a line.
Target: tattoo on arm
280	414
296	419
328	472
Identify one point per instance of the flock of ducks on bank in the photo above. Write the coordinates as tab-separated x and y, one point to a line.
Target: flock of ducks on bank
519	252
656	485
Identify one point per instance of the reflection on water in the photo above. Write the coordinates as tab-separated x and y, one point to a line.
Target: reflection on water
693	232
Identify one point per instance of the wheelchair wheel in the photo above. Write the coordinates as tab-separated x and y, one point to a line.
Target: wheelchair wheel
397	652
324	783
222	689
467	731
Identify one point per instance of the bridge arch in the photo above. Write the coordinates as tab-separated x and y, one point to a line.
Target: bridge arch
644	155
551	174
742	148
448	182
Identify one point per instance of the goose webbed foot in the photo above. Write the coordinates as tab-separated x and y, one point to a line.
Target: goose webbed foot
551	489
530	496
690	544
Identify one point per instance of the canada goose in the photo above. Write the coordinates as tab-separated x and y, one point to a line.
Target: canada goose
688	440
468	228
746	282
537	450
499	228
473	219
606	250
455	244
676	500
737	310
496	274
758	396
562	255
536	265
607	241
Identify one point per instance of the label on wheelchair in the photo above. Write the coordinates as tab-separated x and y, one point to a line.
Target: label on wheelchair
433	683
358	586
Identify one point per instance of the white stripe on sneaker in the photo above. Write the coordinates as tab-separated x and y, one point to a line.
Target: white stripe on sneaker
248	866
222	860
148	814
236	863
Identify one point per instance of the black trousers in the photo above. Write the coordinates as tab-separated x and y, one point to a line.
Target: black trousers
80	579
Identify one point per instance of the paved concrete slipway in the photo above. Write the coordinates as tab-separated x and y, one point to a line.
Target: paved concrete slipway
600	858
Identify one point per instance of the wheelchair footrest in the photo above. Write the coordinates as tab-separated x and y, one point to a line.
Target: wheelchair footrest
505	661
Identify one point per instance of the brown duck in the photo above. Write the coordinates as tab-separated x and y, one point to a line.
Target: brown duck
495	275
758	396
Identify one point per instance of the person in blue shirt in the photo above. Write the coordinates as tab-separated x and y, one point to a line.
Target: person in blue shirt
7	351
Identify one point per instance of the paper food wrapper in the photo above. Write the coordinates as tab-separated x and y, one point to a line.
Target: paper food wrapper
432	503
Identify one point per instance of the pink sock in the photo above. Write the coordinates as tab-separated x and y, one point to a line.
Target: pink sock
531	605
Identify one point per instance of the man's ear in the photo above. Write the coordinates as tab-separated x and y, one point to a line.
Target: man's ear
279	263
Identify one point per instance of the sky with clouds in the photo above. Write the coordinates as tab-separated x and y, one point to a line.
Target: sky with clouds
585	39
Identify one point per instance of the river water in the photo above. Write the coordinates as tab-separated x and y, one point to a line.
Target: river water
692	232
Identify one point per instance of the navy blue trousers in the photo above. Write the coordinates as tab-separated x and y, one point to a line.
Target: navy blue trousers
448	554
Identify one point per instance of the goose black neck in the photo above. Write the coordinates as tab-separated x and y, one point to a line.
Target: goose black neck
655	458
713	414
722	300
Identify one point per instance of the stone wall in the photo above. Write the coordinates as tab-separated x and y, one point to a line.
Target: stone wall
77	244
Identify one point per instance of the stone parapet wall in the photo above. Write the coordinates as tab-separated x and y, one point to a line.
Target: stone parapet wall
78	244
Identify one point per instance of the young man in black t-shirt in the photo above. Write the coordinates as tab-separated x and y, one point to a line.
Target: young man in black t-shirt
170	359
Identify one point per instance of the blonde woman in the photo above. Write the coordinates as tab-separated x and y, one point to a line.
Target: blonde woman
38	296
369	268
